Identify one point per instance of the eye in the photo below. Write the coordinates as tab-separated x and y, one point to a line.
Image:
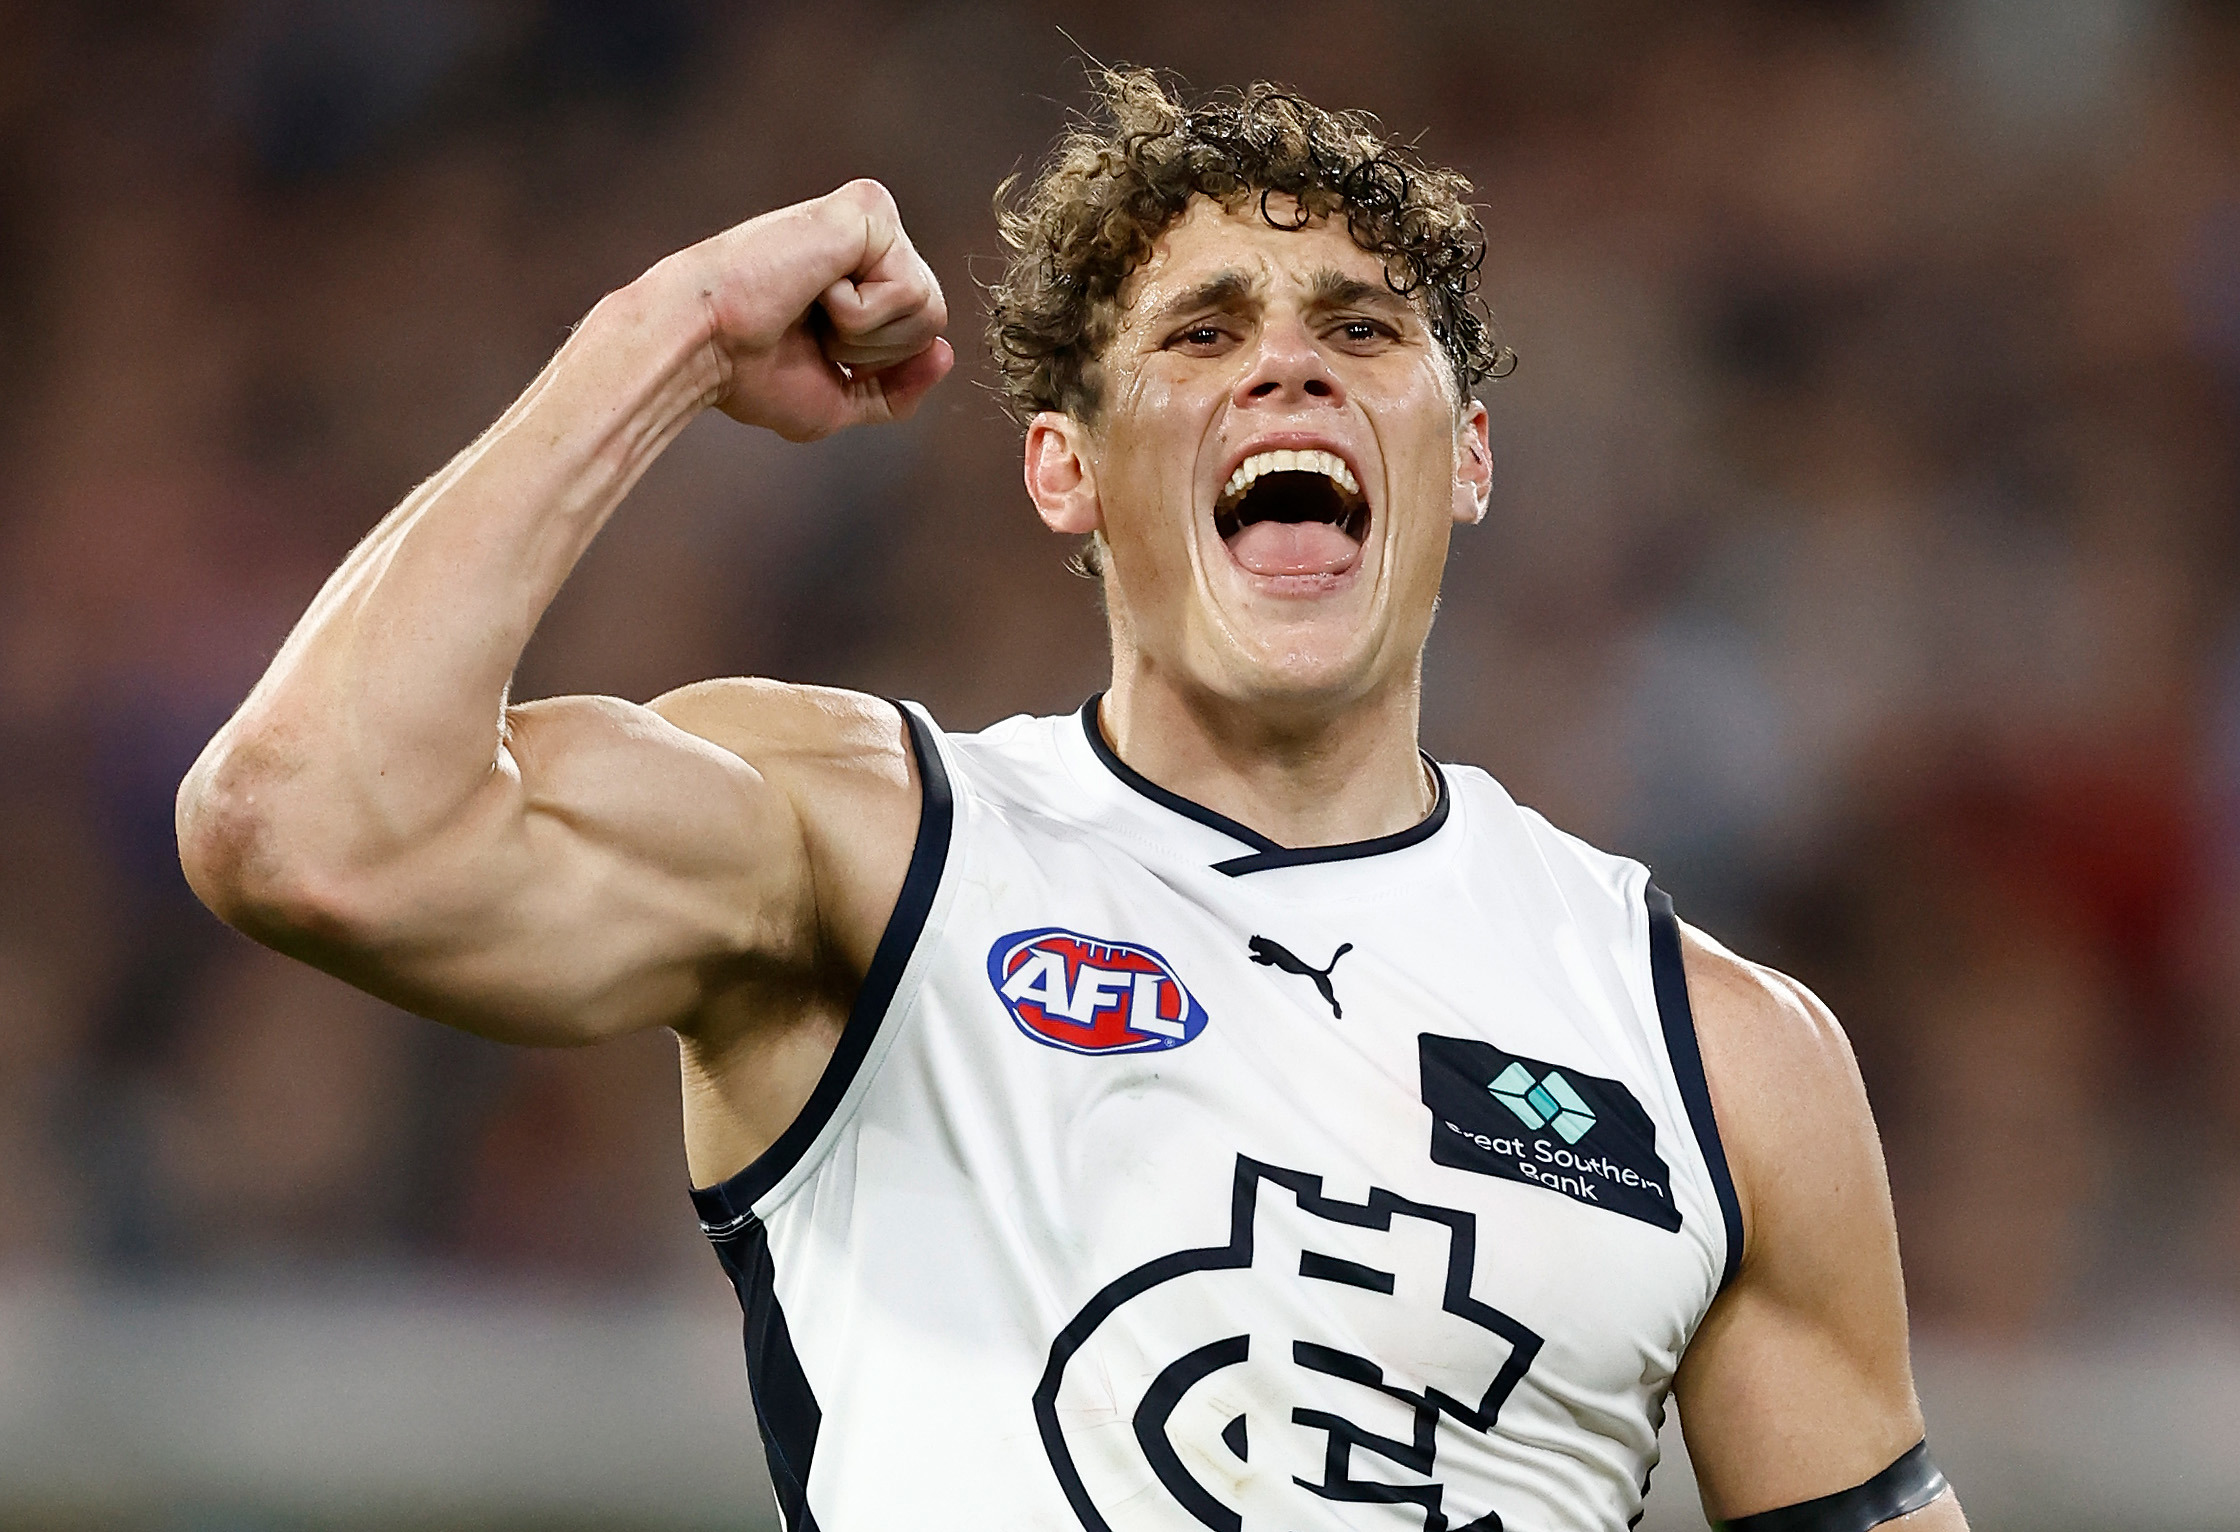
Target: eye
1200	335
1362	332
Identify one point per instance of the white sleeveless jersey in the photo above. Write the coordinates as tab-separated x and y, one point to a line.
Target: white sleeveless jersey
1165	1179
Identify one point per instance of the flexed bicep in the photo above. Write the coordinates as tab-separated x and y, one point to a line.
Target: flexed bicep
569	869
610	869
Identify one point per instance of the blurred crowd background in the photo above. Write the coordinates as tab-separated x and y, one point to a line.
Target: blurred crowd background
1865	553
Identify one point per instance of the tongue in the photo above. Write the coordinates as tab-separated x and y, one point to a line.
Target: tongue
1293	548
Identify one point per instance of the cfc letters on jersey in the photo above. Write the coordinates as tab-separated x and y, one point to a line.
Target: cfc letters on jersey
1329	1354
1501	1114
1088	994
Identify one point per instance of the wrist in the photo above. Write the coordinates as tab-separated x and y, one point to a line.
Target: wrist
663	319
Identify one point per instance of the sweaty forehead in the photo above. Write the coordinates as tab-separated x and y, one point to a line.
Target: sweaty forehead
1209	241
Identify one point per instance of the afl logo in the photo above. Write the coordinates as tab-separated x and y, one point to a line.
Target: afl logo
1088	995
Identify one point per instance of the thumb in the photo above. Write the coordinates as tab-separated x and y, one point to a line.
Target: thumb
894	392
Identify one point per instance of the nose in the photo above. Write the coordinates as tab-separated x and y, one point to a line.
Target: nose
1288	368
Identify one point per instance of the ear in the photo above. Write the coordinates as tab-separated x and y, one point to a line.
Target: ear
1473	465
1061	474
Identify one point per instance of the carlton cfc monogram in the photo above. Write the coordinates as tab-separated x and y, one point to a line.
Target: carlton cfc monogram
1238	1419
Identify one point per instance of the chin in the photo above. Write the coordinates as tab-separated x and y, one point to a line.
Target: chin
1315	667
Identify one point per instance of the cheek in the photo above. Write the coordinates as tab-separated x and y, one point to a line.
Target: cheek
1151	458
1129	401
1431	481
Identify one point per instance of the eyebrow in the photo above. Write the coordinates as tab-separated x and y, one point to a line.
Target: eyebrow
1232	290
1223	290
1333	289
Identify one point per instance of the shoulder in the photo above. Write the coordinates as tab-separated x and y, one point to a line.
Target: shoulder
845	764
1516	836
787	731
1785	1089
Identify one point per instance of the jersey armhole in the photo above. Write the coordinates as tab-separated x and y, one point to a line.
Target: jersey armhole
727	1206
1669	978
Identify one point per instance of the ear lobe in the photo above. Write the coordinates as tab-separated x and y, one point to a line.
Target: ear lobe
1473	477
1061	478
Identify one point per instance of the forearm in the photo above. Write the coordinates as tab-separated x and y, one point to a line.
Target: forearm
367	807
380	720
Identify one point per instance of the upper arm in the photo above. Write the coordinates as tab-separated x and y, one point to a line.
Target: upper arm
1798	1383
620	865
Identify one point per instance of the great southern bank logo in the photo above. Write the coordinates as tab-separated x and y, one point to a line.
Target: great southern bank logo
1563	1130
1087	994
1549	1102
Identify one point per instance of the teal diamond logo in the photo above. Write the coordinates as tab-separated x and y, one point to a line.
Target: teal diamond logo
1548	1102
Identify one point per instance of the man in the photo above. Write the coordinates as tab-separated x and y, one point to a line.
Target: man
1203	1112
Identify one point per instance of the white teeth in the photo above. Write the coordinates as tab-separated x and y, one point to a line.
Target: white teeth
1284	461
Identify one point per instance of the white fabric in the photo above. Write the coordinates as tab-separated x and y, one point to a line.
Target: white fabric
979	1189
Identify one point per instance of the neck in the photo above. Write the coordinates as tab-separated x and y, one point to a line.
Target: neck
1300	774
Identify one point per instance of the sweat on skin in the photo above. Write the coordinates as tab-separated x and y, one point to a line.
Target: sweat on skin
722	860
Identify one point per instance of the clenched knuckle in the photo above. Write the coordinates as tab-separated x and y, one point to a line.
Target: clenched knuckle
869	194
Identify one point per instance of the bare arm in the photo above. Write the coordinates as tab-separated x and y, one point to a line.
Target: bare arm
564	870
1799	1383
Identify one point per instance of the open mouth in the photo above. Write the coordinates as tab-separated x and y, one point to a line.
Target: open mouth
1292	513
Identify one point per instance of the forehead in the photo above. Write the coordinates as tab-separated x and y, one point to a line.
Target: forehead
1209	240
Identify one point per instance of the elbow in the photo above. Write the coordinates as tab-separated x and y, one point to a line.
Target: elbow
245	859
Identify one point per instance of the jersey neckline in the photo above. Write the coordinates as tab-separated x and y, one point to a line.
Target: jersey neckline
1266	853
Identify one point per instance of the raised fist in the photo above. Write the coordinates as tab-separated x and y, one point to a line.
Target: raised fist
823	315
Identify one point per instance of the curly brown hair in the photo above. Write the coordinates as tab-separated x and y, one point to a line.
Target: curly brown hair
1115	182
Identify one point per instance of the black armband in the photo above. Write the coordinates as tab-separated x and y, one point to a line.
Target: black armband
1899	1490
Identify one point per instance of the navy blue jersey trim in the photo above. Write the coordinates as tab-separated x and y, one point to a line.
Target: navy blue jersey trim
1159	795
1265	853
1302	856
1899	1490
728	1205
1670	980
785	1406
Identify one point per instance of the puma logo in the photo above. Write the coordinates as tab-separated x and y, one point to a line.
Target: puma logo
1274	954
